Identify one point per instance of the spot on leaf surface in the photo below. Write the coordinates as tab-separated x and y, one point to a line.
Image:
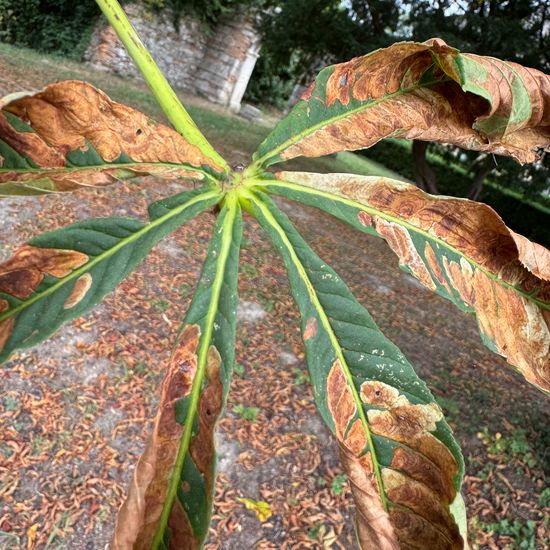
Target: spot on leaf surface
6	325
364	218
80	289
402	244
311	328
21	275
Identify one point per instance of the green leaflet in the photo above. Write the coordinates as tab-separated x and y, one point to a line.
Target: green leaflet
384	417
214	310
427	91
458	510
170	501
62	274
459	249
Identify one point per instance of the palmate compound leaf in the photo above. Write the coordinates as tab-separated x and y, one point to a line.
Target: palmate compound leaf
62	274
458	248
170	499
71	135
403	463
428	91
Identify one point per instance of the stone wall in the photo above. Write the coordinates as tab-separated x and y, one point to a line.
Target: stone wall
228	61
217	65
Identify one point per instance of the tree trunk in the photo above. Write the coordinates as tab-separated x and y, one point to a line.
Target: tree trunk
479	178
375	17
424	176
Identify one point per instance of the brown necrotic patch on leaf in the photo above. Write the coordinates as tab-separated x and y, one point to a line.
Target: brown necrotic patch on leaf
25	270
423	470
398	419
517	327
533	256
411	424
401	243
311	328
6	325
374	528
422	91
381	394
307	94
29	145
421	475
501	276
364	218
418	484
69	179
80	289
406	422
435	267
138	517
181	532
418	533
210	406
409	493
73	115
340	83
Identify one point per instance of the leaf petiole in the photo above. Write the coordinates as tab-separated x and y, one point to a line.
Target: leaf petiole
163	92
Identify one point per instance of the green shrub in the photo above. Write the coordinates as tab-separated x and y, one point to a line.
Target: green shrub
60	26
268	85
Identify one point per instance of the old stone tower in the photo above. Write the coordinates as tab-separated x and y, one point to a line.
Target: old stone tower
215	65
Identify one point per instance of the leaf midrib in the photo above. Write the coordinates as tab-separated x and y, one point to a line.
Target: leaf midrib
407	225
107	254
319	125
333	339
202	357
106	166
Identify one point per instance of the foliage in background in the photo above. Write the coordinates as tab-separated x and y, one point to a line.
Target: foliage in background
516	30
270	86
295	50
65	26
60	26
207	11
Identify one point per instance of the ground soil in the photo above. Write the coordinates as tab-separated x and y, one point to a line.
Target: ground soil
76	410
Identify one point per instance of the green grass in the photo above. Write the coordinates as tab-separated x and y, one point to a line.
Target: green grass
246	413
523	533
339	483
300	376
239	369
